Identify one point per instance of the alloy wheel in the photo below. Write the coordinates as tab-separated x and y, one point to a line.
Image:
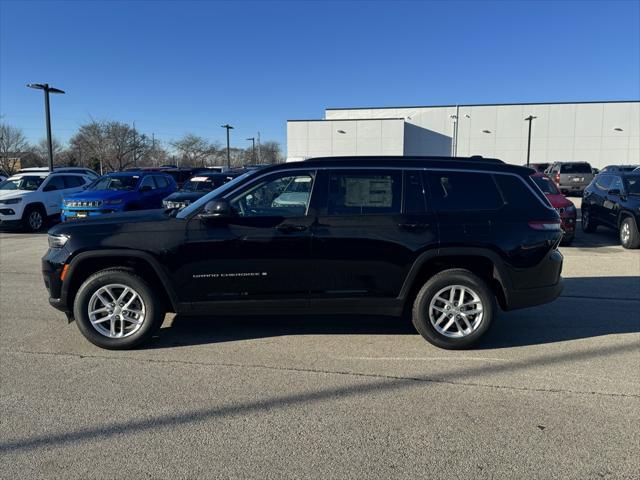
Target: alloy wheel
625	233
456	311
116	311
35	220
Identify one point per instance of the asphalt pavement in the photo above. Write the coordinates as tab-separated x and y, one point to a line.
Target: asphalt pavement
551	392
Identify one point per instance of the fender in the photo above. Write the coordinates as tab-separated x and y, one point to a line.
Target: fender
155	265
500	270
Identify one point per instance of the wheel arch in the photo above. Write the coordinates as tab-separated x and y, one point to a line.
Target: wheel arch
87	263
482	262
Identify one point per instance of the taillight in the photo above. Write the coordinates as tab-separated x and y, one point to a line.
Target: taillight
558	178
549	225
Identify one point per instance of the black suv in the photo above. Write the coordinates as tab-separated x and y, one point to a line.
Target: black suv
613	200
445	239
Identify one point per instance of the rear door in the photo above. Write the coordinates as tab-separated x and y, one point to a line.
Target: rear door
367	235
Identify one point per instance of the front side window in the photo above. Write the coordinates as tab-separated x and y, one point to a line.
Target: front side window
71	181
364	193
148	182
161	182
283	196
55	183
603	181
459	191
616	184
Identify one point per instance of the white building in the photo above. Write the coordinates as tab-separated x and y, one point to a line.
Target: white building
600	133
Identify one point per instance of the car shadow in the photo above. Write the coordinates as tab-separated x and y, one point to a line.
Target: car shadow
589	307
602	237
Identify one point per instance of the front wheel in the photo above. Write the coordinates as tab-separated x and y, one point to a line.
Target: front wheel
454	309
629	237
34	218
116	309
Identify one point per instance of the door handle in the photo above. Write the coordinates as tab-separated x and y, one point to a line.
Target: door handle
289	228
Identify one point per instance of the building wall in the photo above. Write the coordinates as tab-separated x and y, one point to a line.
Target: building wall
311	138
600	133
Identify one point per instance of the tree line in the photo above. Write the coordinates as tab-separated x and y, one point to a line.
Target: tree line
107	146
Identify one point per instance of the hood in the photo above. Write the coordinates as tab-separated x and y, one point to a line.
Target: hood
97	195
559	200
139	220
182	196
13	193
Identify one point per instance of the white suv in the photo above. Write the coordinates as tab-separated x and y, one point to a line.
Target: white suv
30	198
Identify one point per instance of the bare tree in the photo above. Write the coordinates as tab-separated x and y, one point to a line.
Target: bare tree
13	147
41	150
194	151
270	152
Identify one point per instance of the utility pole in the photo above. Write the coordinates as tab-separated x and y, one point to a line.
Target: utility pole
529	119
228	127
253	149
47	89
259	152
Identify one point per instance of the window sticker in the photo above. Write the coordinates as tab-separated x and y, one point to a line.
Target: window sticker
368	192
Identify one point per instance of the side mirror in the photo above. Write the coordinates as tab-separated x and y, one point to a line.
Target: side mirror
614	191
216	209
145	188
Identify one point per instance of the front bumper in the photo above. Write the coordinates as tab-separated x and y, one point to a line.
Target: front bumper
11	213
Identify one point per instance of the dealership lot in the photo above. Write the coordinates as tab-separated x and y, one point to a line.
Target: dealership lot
552	392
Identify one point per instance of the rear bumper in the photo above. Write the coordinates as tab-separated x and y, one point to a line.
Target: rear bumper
538	285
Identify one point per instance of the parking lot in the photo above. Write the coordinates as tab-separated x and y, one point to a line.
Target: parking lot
551	392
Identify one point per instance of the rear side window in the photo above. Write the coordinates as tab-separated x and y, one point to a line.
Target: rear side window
357	193
575	168
516	193
456	191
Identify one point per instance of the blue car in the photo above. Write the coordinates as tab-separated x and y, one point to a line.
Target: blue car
118	192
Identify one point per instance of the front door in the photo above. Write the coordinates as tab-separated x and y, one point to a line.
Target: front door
260	254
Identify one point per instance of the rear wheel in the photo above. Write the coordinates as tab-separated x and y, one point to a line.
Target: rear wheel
588	224
629	237
454	309
34	218
116	309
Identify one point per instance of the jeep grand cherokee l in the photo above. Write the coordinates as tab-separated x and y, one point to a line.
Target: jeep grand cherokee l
448	240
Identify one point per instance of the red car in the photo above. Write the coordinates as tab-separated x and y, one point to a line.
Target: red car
562	204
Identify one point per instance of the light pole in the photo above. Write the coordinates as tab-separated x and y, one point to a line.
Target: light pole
228	127
529	119
253	149
47	89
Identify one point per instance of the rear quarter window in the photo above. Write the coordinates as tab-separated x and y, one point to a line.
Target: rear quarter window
518	195
463	191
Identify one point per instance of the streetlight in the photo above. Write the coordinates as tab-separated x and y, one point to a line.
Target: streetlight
47	89
253	149
228	127
529	119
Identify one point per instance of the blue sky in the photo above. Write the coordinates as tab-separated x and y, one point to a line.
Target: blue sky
178	67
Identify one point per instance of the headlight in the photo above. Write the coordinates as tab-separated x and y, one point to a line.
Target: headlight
113	202
11	201
57	241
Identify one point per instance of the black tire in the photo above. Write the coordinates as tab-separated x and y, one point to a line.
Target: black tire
420	314
34	218
588	224
629	238
567	240
153	305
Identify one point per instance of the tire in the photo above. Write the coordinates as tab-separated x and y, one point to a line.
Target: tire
629	237
476	324
110	284
567	240
34	218
588	224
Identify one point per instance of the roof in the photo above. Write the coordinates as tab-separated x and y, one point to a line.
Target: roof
485	105
475	163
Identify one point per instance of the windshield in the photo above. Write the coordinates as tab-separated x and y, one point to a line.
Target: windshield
546	185
632	184
202	184
185	212
120	182
575	168
27	182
